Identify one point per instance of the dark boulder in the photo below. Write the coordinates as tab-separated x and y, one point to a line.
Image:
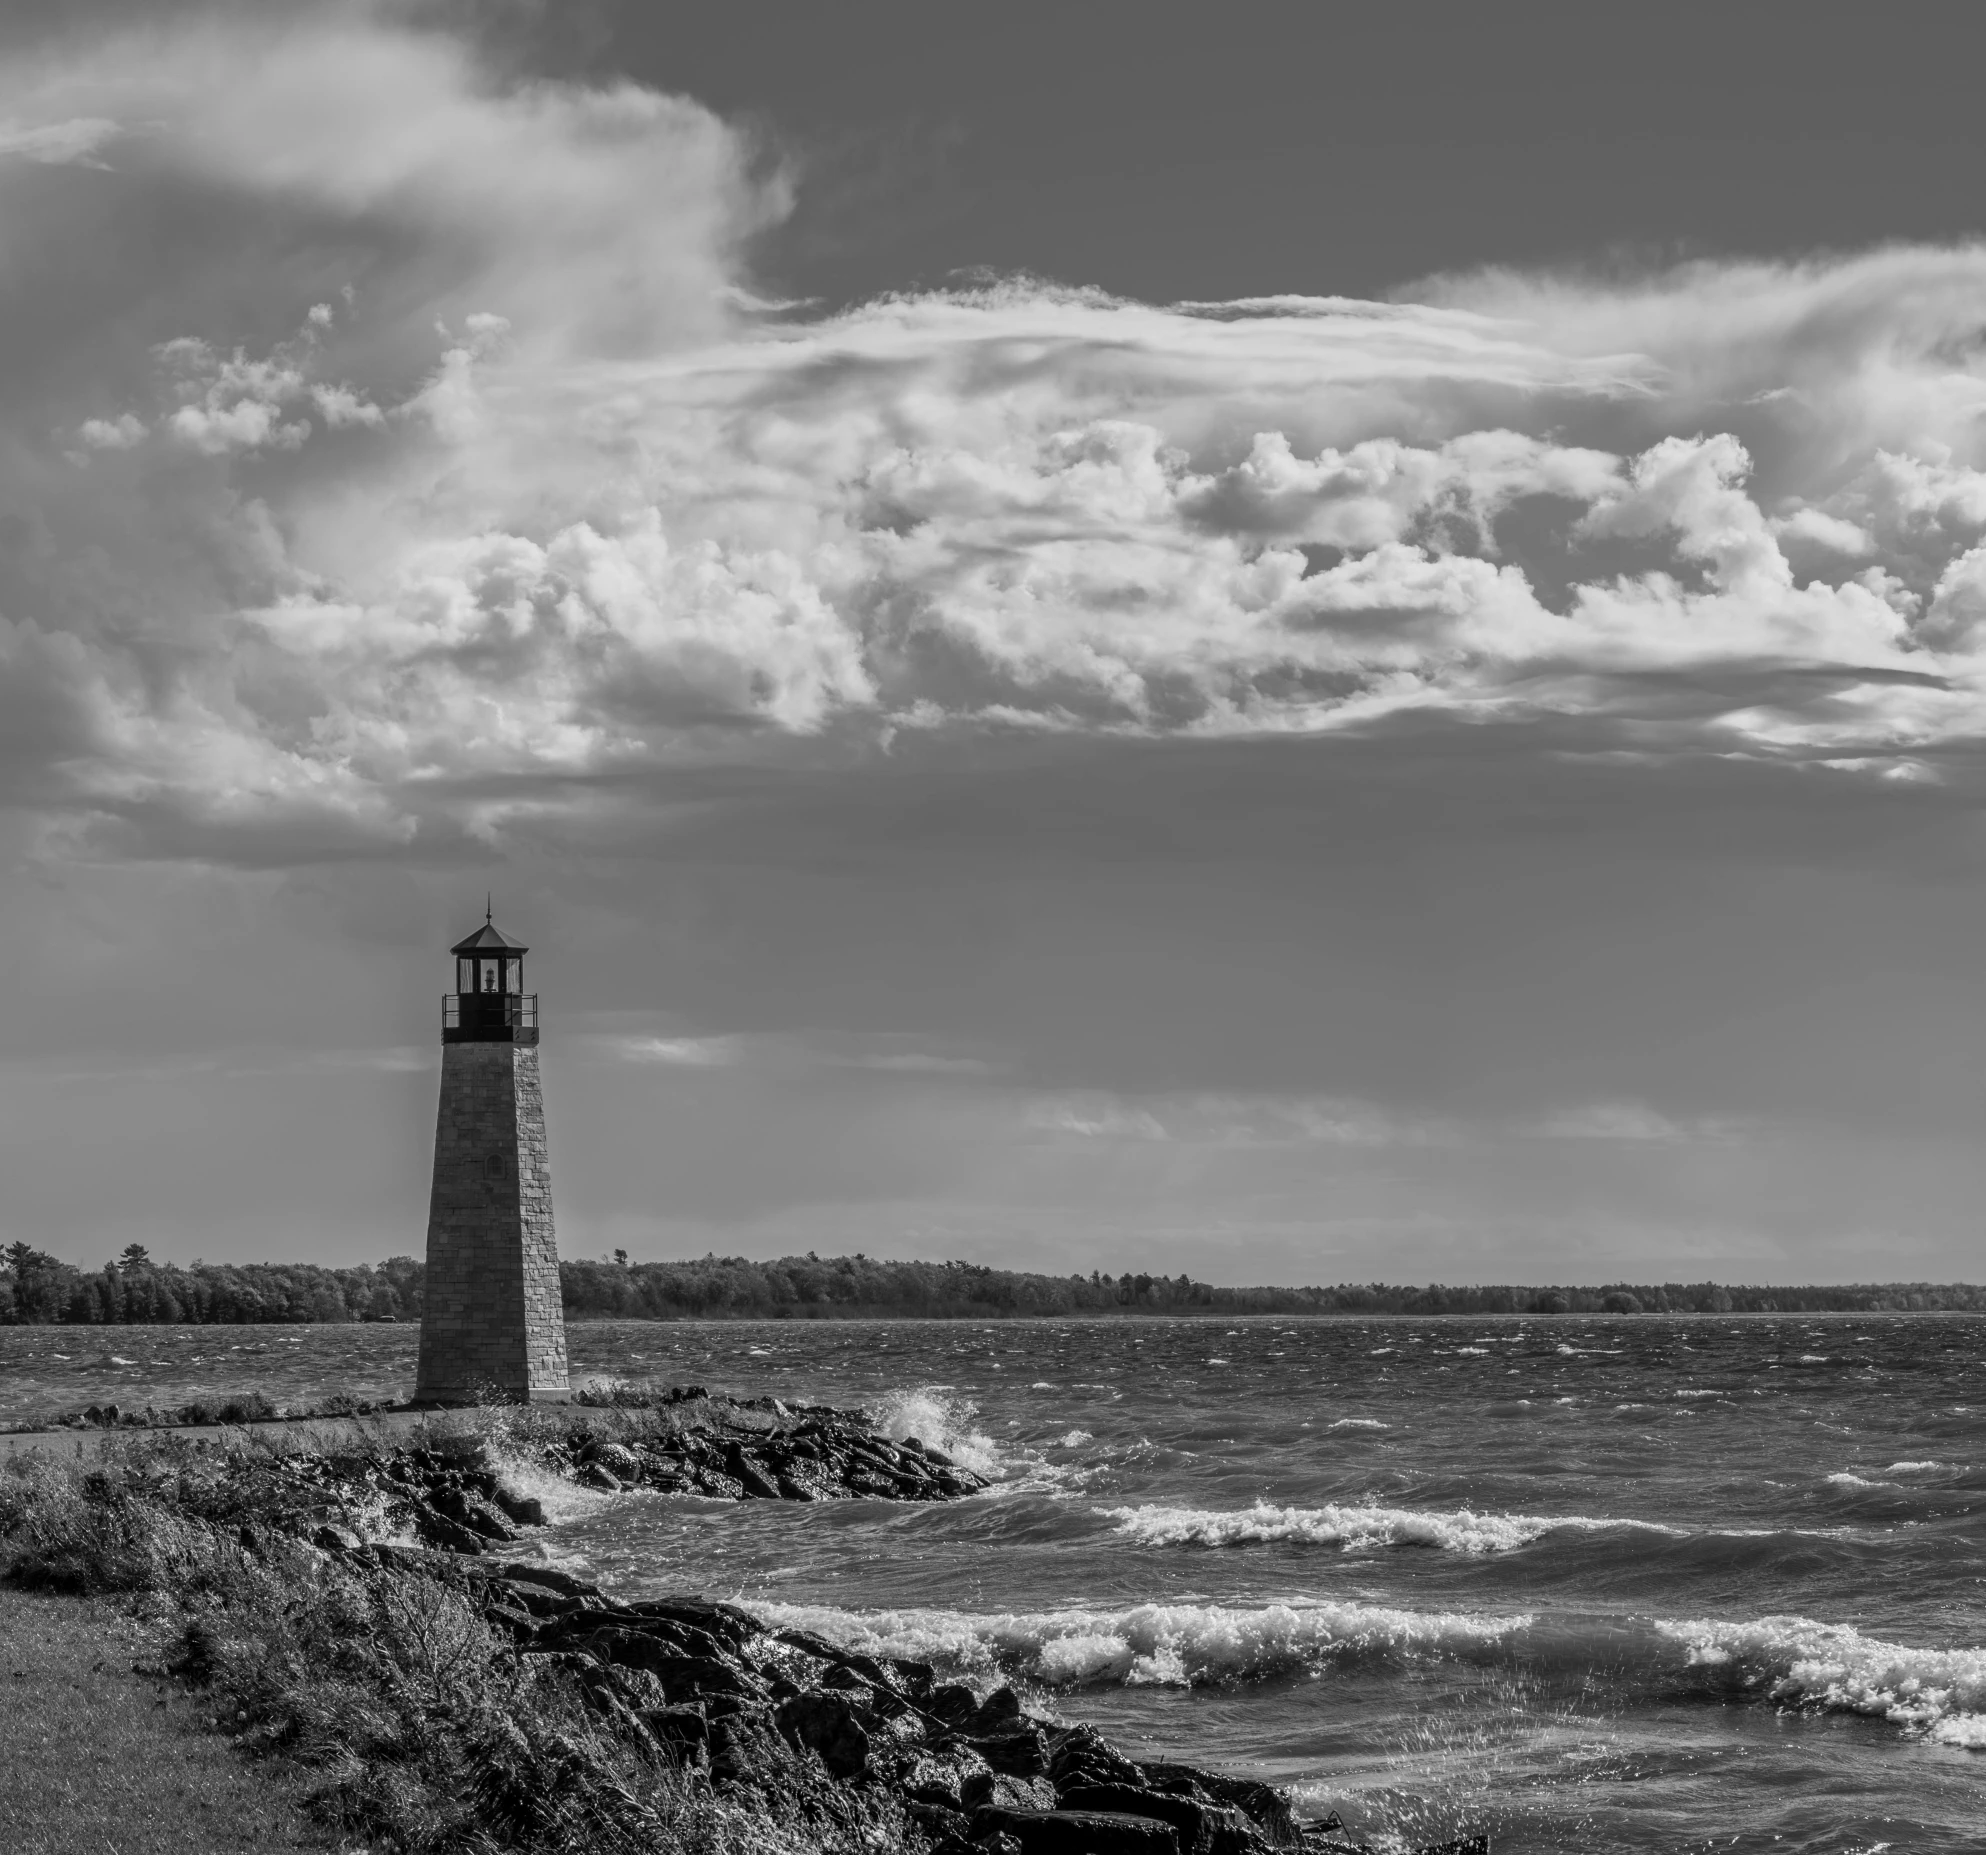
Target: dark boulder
550	1577
827	1725
1266	1807
524	1510
995	1711
1077	1832
953	1703
1204	1828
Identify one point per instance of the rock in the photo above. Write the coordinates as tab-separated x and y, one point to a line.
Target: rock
616	1458
525	1510
733	1627
1077	1832
433	1529
645	1648
1078	1755
598	1475
749	1476
336	1539
473	1512
1468	1845
1204	1828
937	1821
549	1577
1267	1808
999	1707
942	1777
1003	1792
1021	1751
695	1677
682	1732
826	1724
953	1703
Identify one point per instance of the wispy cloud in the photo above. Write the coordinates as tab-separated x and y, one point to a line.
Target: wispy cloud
1233	1120
1631	1121
787	1052
677	1052
73	143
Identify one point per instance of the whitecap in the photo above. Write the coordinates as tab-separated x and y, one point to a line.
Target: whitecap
1836	1669
1352	1529
1174	1645
1358	1423
1076	1439
1912	1468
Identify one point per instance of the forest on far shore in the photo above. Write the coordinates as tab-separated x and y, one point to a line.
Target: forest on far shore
37	1289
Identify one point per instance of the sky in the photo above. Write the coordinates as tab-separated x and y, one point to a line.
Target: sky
1302	646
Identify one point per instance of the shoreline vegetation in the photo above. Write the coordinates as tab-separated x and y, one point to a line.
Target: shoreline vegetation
364	1616
37	1289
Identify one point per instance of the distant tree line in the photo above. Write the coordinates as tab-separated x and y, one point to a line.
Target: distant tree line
36	1289
816	1288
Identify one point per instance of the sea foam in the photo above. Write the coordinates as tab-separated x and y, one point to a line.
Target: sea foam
1174	1645
1836	1669
1352	1529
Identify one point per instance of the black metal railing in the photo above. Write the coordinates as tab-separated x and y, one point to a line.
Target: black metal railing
489	1011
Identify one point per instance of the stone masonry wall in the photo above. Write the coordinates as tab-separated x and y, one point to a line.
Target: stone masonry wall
493	1318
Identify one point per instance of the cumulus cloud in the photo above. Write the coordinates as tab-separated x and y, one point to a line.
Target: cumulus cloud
499	492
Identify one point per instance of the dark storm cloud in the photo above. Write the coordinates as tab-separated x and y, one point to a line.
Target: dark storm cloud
1011	760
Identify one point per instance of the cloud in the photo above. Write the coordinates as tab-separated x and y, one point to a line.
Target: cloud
789	1054
500	496
1234	1121
677	1052
73	143
1630	1121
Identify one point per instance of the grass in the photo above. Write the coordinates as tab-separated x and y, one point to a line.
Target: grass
401	1715
102	1761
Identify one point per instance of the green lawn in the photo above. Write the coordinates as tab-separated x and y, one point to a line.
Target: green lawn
97	1760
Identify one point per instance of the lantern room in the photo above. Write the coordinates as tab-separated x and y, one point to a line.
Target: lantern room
489	1003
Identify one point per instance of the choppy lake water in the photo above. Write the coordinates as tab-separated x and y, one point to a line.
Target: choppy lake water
1620	1584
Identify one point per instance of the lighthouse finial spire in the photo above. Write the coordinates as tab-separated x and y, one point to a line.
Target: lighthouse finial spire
489	902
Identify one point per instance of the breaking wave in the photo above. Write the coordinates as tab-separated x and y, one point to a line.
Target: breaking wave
933	1415
1354	1529
1172	1645
1834	1668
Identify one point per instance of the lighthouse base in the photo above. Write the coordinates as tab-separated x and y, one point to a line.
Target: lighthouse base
493	1320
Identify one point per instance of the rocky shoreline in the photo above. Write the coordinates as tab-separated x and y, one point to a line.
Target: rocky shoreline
685	1695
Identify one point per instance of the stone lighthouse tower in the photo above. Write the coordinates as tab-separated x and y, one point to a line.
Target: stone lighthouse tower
493	1320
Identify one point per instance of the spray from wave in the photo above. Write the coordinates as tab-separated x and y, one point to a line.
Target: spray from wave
1172	1645
933	1415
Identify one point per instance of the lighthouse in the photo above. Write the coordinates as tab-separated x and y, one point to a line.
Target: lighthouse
492	1321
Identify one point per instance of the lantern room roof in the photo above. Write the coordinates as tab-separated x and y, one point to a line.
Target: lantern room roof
488	939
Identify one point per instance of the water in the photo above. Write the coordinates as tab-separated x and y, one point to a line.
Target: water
1591	1584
